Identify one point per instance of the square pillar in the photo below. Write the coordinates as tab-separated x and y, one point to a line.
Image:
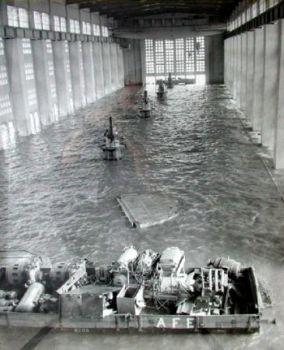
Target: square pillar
77	74
7	129
63	77
98	69
258	80
279	125
89	71
250	74
45	81
271	84
120	66
114	72
23	87
106	67
243	87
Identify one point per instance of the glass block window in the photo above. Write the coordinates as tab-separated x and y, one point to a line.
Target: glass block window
17	17
190	55
159	54
45	21
63	24
23	18
12	13
182	57
169	51
149	57
200	54
96	30
105	32
37	20
86	28
56	23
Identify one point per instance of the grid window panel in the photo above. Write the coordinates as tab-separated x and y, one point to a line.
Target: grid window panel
72	25
86	28
184	56
105	31
37	20
63	24
23	18
12	13
96	30
149	56
56	23
45	21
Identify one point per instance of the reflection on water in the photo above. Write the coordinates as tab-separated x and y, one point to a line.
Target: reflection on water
58	196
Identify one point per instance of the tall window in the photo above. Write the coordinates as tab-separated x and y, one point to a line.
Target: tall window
17	17
86	28
96	29
41	20
105	32
183	57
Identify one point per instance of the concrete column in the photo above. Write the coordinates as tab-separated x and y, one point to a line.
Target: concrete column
250	74
7	128
120	66
235	66
114	72
214	59
63	77
23	88
258	81
106	67
89	72
243	77
137	62
271	84
77	74
279	125
132	63
98	69
45	81
229	63
238	62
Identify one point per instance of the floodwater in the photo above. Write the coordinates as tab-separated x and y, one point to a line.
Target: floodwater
58	199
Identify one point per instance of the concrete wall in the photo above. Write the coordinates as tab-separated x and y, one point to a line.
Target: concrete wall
254	74
47	78
214	59
132	63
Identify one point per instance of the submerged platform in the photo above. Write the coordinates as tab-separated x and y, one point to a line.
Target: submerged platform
145	210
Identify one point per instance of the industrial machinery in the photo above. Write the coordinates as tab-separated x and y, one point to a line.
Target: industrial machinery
146	105
170	84
140	290
161	93
112	146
